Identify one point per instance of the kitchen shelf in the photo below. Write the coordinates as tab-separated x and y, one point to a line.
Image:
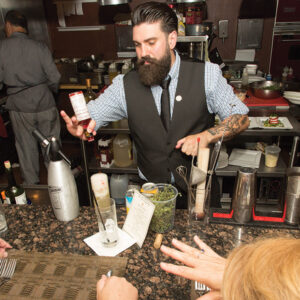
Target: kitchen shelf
94	167
192	39
262	171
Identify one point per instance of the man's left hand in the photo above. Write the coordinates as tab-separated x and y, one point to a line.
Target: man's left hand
189	144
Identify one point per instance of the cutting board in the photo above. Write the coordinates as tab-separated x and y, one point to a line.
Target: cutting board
58	276
254	101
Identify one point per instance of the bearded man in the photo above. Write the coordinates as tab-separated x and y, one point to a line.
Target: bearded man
165	128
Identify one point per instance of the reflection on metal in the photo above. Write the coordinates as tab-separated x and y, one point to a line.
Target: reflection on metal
113	2
186	1
34	11
81	28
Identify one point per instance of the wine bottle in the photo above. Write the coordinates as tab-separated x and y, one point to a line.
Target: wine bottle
89	94
14	193
81	112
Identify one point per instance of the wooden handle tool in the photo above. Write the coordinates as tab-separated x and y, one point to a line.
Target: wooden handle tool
202	161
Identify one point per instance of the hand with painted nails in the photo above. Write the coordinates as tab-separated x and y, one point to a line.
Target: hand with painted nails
3	246
203	265
115	288
75	129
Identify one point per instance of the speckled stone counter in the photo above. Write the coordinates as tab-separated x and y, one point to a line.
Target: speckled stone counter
34	228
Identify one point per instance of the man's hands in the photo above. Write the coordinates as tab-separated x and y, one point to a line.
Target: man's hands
204	266
115	288
189	143
230	127
3	246
75	129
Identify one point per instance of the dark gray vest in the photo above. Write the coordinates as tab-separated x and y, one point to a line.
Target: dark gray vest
156	153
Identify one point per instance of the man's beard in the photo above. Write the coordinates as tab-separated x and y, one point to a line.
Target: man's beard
156	71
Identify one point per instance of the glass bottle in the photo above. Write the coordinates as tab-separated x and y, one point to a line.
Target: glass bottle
122	150
245	78
3	224
81	112
112	71
89	94
14	193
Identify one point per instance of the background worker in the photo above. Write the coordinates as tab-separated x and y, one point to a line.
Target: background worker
28	70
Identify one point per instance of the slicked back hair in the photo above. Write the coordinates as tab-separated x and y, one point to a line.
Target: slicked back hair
152	12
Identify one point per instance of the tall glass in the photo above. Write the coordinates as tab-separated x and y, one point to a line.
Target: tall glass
196	203
3	224
108	217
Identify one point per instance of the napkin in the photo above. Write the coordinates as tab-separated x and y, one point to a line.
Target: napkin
124	241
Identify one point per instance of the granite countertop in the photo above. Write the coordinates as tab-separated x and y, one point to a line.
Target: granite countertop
35	228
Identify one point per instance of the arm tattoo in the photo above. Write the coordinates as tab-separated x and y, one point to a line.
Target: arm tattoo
232	126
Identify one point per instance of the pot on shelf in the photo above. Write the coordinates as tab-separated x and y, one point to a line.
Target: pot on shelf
205	28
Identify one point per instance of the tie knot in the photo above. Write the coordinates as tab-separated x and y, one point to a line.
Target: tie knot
166	82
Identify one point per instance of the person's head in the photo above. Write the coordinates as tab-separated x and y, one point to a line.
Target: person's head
267	269
155	37
15	22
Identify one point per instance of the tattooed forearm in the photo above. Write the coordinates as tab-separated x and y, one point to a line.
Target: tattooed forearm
231	126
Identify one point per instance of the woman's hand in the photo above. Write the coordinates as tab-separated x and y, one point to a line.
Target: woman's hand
3	246
203	264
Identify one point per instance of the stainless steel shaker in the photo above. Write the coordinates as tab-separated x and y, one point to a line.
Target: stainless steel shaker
292	196
244	195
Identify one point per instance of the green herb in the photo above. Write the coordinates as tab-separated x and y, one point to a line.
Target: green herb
268	124
271	88
163	216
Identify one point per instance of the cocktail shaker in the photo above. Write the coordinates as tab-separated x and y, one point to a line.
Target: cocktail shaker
244	195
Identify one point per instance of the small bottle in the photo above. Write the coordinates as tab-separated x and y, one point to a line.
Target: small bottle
89	94
81	112
290	74
245	77
112	72
105	151
269	77
125	68
14	193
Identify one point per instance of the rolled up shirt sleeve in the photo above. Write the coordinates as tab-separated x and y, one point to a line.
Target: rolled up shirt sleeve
109	106
221	99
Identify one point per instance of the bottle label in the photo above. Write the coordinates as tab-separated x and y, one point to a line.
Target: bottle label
7	200
55	192
21	199
79	106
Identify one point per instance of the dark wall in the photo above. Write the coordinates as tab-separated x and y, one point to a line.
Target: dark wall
81	44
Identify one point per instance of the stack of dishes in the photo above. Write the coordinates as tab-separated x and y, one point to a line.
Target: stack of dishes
293	97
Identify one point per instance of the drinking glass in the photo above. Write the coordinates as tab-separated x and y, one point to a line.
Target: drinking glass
196	203
108	232
3	224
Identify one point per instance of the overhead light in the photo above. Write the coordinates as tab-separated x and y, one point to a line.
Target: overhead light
113	2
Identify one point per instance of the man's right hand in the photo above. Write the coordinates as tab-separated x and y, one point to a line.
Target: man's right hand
74	128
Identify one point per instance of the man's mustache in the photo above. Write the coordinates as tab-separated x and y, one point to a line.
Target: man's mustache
147	59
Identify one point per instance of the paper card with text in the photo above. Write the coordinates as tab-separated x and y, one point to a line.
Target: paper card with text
139	218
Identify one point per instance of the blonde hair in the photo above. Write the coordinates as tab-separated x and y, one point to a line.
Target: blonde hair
264	270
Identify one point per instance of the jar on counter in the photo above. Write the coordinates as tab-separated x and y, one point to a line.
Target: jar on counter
122	150
105	151
190	15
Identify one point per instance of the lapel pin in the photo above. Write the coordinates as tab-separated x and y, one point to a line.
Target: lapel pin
178	98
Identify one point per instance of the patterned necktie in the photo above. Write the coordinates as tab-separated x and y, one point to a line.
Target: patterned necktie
165	103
